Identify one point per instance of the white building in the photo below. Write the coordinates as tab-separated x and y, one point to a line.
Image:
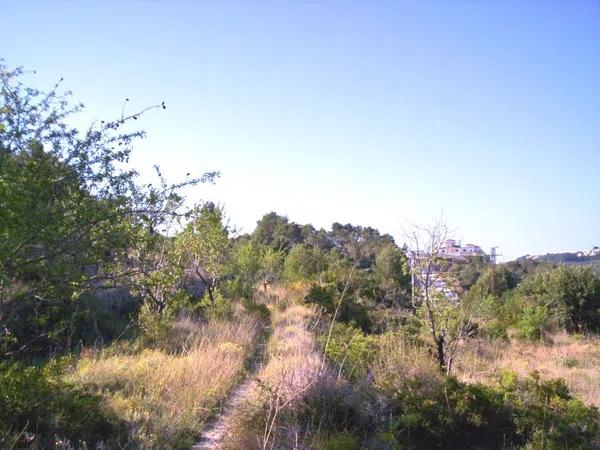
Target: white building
452	249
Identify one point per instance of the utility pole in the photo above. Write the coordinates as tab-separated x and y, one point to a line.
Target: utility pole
493	255
412	279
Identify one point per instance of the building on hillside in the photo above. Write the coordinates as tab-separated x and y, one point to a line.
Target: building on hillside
451	248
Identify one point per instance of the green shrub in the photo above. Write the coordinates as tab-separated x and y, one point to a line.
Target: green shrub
350	350
219	309
341	441
42	326
37	408
534	323
569	295
528	413
474	416
547	415
351	311
304	262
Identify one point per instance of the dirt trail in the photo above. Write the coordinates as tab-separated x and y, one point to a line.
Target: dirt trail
217	429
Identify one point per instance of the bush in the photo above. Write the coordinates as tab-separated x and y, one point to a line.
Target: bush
474	416
350	349
42	326
569	295
547	415
351	311
341	441
304	262
535	322
37	409
219	309
530	413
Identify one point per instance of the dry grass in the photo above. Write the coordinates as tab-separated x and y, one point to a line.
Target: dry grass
402	365
166	398
575	359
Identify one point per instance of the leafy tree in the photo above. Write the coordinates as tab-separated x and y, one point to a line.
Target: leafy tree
277	231
570	296
204	243
468	272
392	274
250	263
271	266
73	219
304	262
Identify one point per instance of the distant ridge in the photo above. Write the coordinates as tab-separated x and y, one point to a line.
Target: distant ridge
590	257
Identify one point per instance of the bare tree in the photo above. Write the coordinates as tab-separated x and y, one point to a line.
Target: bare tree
449	320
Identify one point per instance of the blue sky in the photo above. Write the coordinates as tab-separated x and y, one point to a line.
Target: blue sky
375	113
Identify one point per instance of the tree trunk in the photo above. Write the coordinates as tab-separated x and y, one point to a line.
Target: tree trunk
441	356
207	285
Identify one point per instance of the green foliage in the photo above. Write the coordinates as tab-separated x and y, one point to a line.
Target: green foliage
341	441
392	275
205	244
351	310
566	298
73	217
529	413
494	281
474	416
535	323
217	308
467	272
251	262
37	408
33	326
304	263
350	350
547	415
277	232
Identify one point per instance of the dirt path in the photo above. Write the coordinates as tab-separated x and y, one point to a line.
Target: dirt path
217	429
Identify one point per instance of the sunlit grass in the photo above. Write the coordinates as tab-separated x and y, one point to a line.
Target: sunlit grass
166	398
576	359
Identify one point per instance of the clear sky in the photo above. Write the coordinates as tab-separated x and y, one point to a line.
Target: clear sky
370	112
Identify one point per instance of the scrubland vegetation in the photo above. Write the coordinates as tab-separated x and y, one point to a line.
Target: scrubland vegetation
127	318
165	395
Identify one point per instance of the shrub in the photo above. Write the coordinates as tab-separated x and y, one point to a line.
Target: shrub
350	349
534	323
475	416
530	413
42	326
351	311
547	414
341	441
303	262
569	295
37	408
217	309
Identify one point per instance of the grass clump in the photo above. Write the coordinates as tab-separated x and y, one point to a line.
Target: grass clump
164	397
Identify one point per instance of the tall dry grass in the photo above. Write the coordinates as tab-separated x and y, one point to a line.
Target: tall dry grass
576	359
165	398
402	365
